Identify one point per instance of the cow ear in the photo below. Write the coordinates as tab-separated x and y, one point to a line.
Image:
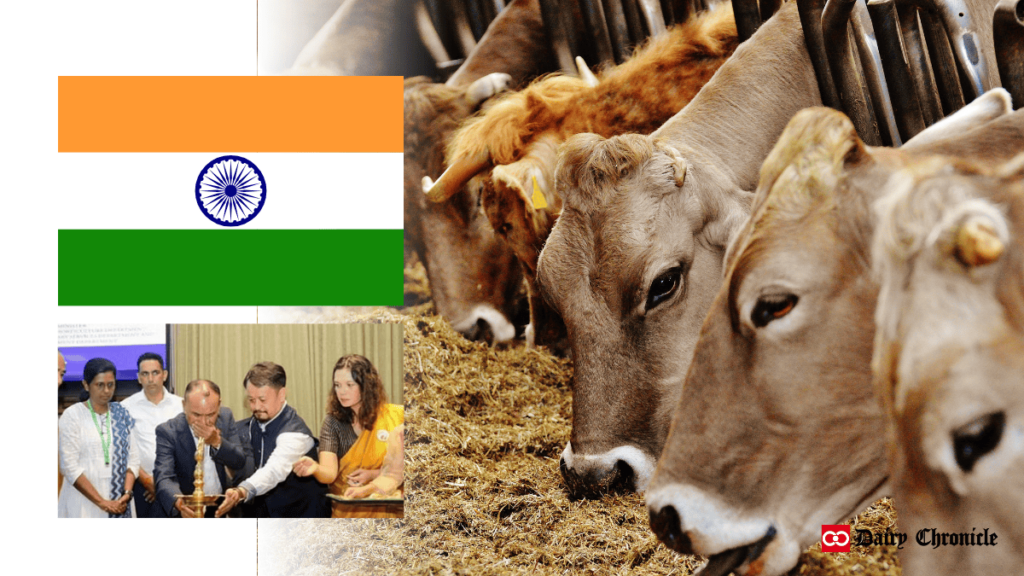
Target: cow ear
817	145
532	177
984	109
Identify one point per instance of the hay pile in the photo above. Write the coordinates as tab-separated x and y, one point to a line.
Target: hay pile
485	428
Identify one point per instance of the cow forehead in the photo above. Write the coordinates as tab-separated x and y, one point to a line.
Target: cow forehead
624	232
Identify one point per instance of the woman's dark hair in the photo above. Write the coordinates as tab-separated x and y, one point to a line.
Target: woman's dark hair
97	366
371	392
94	368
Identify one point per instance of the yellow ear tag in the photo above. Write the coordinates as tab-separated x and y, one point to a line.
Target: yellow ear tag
538	198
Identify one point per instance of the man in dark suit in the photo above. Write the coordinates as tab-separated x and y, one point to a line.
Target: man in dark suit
176	442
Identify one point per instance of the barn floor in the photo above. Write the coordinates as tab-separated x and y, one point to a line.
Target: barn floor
484	496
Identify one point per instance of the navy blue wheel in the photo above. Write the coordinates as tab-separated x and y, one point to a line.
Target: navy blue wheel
231	190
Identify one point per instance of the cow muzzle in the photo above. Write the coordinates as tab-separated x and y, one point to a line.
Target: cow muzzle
667	527
692	522
622	469
486	324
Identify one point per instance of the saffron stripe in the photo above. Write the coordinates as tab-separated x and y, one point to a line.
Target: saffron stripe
229	113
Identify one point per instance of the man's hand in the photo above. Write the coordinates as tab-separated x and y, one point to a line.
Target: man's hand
305	466
147	482
186	511
231	498
209	434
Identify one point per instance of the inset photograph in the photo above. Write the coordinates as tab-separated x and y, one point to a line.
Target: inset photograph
248	421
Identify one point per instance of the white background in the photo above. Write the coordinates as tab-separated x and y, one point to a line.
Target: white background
42	40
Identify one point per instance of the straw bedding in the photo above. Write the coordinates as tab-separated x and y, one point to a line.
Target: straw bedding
486	427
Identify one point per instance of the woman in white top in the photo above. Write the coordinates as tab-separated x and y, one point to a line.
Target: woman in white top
97	454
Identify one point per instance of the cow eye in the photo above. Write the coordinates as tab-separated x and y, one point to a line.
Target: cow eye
505	229
663	287
772	307
974	440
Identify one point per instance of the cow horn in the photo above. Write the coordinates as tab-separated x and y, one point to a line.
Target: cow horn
456	176
678	162
488	86
585	72
977	243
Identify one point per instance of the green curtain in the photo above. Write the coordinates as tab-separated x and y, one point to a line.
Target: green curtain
224	353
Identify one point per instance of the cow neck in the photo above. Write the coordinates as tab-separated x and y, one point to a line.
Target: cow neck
515	43
740	113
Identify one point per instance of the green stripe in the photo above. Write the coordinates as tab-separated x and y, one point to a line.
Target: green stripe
229	267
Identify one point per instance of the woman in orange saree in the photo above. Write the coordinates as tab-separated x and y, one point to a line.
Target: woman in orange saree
358	426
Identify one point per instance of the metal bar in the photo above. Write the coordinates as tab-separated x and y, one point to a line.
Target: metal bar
810	20
633	22
651	11
748	17
940	53
962	30
618	32
593	21
870	70
476	18
669	11
551	15
489	12
896	66
1008	32
920	64
835	19
768	8
572	24
463	30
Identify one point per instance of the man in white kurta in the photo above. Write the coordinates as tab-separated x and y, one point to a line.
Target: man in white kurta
150	407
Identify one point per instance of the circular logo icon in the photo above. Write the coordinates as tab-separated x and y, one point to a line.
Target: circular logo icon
231	190
835	538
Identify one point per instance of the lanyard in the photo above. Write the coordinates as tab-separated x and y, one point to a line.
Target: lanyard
104	440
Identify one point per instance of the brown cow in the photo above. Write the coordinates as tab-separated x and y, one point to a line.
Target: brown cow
777	430
949	360
473	276
520	135
635	258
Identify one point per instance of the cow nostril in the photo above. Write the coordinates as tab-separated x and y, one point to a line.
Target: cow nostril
666	526
480	331
624	477
595	482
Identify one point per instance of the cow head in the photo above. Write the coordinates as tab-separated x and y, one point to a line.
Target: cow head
949	358
631	266
777	431
473	276
510	154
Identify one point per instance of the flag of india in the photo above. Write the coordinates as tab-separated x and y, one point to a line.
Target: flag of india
240	190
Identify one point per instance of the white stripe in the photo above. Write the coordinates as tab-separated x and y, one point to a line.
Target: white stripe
132	38
157	314
157	191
